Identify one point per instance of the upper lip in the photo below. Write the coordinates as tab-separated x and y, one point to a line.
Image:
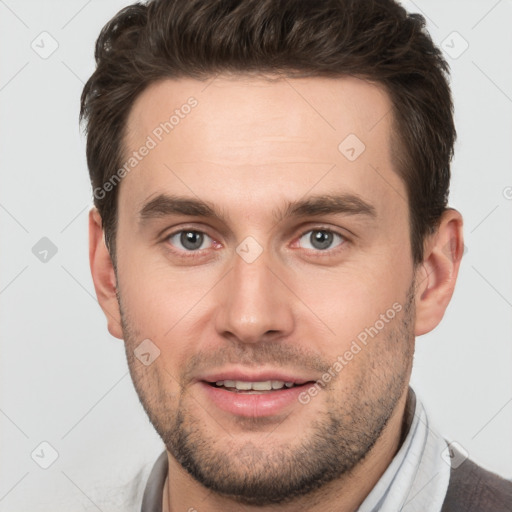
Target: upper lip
252	376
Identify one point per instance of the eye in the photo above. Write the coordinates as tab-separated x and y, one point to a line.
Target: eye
189	240
320	239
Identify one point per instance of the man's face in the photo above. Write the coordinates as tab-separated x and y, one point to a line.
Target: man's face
302	270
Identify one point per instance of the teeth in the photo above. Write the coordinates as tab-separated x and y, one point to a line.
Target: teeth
266	385
243	386
259	386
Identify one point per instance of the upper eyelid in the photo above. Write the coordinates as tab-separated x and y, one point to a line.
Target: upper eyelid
167	235
324	228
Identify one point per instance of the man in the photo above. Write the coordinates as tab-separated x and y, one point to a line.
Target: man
270	233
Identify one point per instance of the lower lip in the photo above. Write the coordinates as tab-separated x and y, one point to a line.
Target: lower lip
253	405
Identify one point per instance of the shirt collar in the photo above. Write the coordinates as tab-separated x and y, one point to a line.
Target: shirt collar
153	494
418	476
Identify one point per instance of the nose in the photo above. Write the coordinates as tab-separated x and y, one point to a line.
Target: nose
254	302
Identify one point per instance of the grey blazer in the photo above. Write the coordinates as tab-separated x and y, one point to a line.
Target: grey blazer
474	489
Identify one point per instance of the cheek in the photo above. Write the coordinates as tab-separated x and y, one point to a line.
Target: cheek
165	304
350	300
147	282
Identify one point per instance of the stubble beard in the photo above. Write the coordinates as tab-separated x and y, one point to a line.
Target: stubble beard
266	471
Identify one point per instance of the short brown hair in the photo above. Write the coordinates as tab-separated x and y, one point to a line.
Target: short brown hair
375	40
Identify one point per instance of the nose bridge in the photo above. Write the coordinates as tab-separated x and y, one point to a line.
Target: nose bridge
255	304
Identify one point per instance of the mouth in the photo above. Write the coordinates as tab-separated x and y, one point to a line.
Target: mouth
263	395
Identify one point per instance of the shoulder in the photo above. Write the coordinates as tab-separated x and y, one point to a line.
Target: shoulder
474	489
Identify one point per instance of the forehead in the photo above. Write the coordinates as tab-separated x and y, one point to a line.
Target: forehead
257	140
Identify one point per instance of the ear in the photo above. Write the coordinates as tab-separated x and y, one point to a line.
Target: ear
436	276
103	274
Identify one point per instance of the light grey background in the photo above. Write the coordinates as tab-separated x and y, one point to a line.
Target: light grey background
64	379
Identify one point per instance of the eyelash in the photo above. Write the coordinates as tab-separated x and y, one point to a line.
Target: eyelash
315	253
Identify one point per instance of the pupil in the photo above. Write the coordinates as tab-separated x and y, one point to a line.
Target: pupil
321	239
191	240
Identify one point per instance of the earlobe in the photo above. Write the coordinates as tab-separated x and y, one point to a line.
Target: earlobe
437	275
103	275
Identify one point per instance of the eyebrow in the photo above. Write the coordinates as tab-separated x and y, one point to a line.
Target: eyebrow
165	205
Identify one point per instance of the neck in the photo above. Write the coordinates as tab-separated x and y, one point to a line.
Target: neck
342	495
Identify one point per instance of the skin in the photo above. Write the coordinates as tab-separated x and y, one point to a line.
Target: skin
248	148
